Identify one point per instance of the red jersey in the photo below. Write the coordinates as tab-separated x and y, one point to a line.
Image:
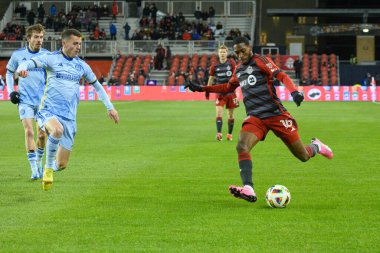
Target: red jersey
256	81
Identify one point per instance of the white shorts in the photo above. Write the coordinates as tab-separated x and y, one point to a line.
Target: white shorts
27	111
69	127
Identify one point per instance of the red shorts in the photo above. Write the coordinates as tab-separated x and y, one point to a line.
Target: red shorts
283	126
230	101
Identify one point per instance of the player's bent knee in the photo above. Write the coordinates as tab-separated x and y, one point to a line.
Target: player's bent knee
242	148
57	131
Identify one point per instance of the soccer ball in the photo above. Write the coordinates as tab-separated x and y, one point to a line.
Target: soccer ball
278	196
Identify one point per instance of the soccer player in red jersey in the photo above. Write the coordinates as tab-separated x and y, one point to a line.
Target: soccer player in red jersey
221	72
255	75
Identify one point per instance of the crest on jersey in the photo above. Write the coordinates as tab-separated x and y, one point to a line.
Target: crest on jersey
228	67
249	70
78	67
251	80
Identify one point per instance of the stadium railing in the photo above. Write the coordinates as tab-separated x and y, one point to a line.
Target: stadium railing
108	48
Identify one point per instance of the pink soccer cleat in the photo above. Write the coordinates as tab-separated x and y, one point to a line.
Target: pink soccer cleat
229	137
247	193
322	148
219	136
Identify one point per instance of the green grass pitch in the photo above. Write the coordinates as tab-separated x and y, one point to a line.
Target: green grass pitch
157	182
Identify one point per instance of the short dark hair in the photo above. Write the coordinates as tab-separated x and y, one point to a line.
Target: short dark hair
68	32
241	39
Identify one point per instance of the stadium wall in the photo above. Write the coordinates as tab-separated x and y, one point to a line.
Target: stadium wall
179	93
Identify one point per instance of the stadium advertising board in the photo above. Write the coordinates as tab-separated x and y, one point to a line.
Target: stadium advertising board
162	93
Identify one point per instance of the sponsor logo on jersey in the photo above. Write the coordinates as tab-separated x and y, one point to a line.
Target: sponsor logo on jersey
75	78
251	80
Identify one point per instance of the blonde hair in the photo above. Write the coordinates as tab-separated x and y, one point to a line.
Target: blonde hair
37	28
222	47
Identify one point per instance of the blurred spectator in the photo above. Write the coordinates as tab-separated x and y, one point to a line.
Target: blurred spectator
153	11
297	67
113	31
30	17
205	17
103	34
22	11
146	11
159	59
195	35
198	15
41	13
219	31
141	80
186	35
115	9
247	36
113	81
367	79
53	10
200	78
1	83
138	4
102	80
127	28
131	80
180	19
96	34
168	57
211	14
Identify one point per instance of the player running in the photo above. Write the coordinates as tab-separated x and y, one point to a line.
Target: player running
57	114
221	72
255	75
29	94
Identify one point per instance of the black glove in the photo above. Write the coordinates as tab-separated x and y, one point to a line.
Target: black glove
15	97
207	95
297	97
193	87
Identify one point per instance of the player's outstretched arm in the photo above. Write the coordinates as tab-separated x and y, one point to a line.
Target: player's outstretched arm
112	113
296	95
